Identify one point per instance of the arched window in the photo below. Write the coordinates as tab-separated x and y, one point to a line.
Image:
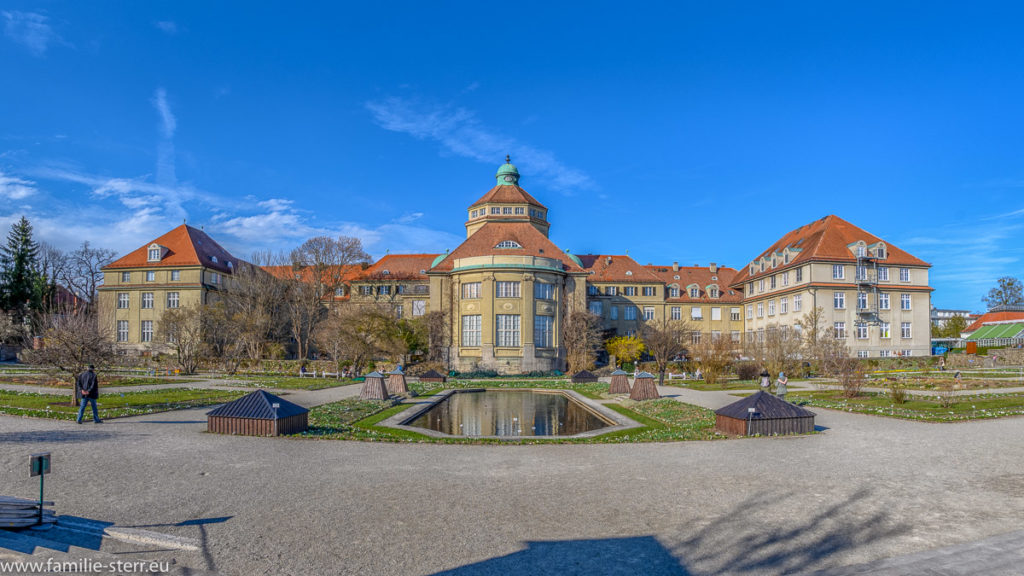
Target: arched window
508	244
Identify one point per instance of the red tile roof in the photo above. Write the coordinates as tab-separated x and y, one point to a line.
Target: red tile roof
287	272
616	268
400	267
702	277
186	246
508	194
484	240
994	317
826	239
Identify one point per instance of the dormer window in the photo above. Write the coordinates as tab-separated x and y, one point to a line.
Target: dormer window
880	252
155	253
713	291
229	265
629	272
213	259
676	277
508	244
862	251
385	272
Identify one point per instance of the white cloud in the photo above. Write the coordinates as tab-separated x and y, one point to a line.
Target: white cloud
30	30
168	124
459	132
13	188
409	218
168	27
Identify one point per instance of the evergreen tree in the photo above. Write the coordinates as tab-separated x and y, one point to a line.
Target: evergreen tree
19	283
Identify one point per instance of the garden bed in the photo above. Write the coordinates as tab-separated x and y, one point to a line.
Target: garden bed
58	406
916	407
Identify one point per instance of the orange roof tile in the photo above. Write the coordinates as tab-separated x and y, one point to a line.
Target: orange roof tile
508	194
484	240
400	267
994	317
615	268
826	239
186	246
702	276
287	272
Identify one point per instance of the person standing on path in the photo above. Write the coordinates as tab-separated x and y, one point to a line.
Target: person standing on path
89	385
766	380
780	386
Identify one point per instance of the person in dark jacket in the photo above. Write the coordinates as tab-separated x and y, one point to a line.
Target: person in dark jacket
89	386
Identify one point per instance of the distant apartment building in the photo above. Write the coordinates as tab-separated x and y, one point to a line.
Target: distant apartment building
875	296
940	316
184	267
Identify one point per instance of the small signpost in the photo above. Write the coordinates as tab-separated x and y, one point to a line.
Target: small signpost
40	467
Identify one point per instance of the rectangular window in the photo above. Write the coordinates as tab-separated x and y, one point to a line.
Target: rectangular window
172	299
507	289
716	335
472	214
716	314
799	274
593	290
150	276
771	307
839	300
674	292
122	330
862	353
648	312
147	330
126	277
798	303
696	313
123	300
629	290
734	314
884	353
883	330
883	274
695	337
384	290
147	299
750	311
862	272
735	335
750	287
508	330
471	290
905	330
400	289
862	331
630	312
366	290
772	283
904	301
783	305
520	210
677	313
595	307
838	272
760	285
399	310
648	290
471	330
611	290
615	313
542	291
908	352
543	336
904	274
154	254
760	309
840	330
883	301
214	278
785	278
175	275
862	300
495	210
419	307
695	292
506	210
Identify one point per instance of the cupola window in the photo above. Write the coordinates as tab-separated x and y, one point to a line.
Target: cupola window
508	244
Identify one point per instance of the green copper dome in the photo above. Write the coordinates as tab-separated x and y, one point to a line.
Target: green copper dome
507	174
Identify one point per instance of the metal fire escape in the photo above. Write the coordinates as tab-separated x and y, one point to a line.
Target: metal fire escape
867	283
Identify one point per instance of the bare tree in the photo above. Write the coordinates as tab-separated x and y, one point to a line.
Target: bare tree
666	340
84	272
221	341
254	306
72	340
53	267
815	334
360	333
778	349
1008	292
435	325
581	336
821	343
714	355
319	268
181	330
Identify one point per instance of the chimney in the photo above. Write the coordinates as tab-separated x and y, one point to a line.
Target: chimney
675	266
713	268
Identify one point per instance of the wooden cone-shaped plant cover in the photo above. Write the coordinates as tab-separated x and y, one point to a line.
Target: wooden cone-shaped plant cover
396	383
644	387
374	387
620	383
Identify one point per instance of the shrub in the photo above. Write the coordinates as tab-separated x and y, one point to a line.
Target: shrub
897	392
747	370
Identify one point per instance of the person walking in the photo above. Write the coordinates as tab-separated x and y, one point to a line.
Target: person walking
766	381
89	386
780	386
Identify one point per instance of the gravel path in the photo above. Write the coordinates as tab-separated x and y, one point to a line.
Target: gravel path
867	489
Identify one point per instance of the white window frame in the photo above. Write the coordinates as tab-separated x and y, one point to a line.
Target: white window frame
838	272
883	273
750	311
153	255
760	309
648	313
150	276
783	305
904	274
507	330
839	330
173	300
677	313
148	301
905	302
507	289
906	330
648	291
630	313
839	300
716	314
122	330
471	291
543	331
798	302
883	301
771	307
126	277
124	300
471	330
861	329
419	308
543	291
146	331
862	300
884	330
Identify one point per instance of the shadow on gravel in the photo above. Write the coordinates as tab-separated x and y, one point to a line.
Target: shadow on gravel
609	556
59	436
171	422
777	533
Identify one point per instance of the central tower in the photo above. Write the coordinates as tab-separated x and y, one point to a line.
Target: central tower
507	202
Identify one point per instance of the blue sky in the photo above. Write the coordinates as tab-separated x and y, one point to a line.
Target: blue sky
690	132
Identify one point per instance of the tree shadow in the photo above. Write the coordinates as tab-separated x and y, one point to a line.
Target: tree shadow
56	436
28	540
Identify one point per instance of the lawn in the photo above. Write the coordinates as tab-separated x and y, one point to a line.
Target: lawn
58	406
917	407
938	380
721	385
289	382
664	420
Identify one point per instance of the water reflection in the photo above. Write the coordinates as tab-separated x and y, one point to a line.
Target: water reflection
509	413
